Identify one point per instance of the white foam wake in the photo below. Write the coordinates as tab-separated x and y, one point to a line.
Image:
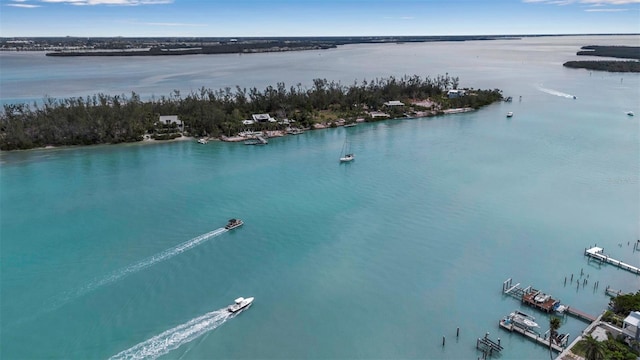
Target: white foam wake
555	92
167	254
117	275
176	337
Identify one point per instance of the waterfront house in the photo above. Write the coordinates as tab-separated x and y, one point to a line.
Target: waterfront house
455	93
248	122
259	118
171	119
631	326
393	103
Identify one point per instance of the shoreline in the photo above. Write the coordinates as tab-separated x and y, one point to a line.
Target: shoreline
241	138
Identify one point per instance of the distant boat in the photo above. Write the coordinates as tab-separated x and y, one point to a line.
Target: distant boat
346	155
239	304
510	114
350	124
233	223
202	141
630	113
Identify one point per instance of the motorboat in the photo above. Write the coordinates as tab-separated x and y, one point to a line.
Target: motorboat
523	320
541	297
239	304
346	155
202	141
347	158
510	114
233	223
630	113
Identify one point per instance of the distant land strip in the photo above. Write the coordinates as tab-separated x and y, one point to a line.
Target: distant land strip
606	65
189	46
621	52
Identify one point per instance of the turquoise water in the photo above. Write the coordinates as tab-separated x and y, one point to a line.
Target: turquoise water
112	250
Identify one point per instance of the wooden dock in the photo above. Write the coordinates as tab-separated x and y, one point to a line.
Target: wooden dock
541	301
530	296
613	293
580	315
598	254
529	334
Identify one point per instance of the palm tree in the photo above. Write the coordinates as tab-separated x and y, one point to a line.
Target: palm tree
593	349
554	325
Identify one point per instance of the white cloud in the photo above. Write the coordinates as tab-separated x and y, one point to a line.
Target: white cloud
110	2
163	24
24	6
606	10
592	2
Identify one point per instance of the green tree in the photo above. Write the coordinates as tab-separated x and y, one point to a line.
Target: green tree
554	325
593	349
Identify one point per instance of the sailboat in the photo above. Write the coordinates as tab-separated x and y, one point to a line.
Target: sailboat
346	155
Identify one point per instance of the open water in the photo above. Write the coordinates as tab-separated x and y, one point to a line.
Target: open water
116	251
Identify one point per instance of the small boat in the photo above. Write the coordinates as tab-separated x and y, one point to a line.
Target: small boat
239	304
541	297
346	154
295	131
350	124
347	158
523	320
233	223
630	113
202	141
510	114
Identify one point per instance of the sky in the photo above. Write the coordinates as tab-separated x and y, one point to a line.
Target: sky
270	18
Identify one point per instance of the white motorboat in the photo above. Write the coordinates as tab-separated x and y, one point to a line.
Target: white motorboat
523	320
510	114
233	223
202	141
239	304
347	157
630	113
541	297
346	154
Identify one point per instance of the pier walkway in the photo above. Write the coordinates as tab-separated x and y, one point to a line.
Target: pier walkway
530	335
598	254
541	301
580	315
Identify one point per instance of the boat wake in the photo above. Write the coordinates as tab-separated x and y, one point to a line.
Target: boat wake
176	337
154	259
556	93
58	302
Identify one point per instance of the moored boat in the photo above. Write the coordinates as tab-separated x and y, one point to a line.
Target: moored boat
202	141
630	113
510	114
239	304
523	320
233	223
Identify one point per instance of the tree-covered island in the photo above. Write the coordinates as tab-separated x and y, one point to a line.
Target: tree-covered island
101	118
621	52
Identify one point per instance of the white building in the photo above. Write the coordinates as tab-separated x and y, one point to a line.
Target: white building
262	118
631	326
394	103
171	119
452	94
